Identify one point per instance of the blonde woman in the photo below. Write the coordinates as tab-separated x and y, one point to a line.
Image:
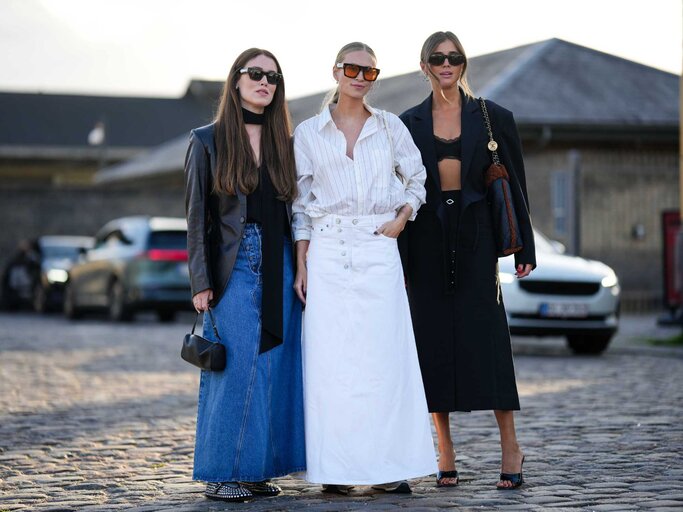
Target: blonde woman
364	404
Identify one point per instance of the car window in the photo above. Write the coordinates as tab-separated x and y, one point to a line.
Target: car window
167	240
60	252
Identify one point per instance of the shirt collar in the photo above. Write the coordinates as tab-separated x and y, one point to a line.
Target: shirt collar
325	116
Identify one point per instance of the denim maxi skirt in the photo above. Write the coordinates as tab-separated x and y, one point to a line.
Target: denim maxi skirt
250	423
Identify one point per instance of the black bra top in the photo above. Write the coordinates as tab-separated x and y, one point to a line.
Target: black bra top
447	148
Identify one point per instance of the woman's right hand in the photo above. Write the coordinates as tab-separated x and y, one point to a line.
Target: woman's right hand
301	279
201	300
301	282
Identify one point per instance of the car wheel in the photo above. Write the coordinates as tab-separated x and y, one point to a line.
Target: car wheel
71	311
166	315
39	298
588	343
119	311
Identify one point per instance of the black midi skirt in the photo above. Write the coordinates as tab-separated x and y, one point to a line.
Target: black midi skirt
458	314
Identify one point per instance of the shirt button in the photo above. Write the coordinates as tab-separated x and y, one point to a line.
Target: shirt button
355	221
343	253
341	242
346	266
339	230
242	220
338	221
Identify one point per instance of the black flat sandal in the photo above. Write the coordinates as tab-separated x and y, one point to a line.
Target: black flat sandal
443	475
263	488
227	491
517	479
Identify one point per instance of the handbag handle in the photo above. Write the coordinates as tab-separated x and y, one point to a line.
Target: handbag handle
492	145
213	323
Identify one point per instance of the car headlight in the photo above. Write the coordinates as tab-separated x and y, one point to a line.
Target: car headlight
610	280
57	275
506	278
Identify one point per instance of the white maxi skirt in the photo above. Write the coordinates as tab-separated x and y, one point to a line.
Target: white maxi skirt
366	417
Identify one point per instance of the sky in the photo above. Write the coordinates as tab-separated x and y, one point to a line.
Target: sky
154	47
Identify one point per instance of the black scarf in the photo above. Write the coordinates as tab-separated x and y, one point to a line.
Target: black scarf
273	220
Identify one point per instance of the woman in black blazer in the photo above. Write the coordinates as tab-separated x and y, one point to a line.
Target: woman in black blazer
450	261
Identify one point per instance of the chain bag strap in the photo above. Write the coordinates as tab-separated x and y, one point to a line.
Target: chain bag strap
497	180
492	145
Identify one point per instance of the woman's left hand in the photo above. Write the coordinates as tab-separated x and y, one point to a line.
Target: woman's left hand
523	270
392	228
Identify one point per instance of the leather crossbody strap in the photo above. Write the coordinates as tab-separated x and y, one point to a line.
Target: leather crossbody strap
213	323
391	144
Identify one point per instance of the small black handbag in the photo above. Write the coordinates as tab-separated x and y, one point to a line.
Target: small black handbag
203	353
505	225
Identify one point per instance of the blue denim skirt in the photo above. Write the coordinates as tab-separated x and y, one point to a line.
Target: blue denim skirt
250	424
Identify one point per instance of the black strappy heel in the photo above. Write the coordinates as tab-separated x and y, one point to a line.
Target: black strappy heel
517	479
442	475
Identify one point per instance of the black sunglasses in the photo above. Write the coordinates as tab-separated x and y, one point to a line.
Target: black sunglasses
272	77
352	71
454	59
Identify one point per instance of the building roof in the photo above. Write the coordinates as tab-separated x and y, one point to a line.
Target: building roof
552	84
58	125
560	83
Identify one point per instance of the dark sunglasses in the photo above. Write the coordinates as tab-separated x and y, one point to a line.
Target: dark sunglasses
272	77
454	59
352	70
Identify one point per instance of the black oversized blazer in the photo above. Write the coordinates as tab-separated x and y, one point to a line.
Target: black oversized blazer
475	160
215	221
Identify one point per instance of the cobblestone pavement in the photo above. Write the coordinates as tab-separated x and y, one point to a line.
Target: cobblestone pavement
99	416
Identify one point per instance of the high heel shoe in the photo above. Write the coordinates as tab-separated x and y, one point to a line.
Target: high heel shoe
517	479
447	475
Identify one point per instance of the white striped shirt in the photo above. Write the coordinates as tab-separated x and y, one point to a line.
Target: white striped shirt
330	182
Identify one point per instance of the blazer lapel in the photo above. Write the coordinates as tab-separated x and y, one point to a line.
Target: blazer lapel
424	139
472	133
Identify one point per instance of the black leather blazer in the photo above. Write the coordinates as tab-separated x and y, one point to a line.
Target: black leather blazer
475	159
215	221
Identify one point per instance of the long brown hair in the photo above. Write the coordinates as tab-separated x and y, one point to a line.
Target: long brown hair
236	167
435	40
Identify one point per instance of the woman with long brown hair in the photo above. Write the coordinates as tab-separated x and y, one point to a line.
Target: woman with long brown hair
240	181
450	257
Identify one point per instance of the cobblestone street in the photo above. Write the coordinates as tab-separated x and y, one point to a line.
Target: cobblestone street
101	416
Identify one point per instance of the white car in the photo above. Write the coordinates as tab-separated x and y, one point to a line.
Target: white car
564	296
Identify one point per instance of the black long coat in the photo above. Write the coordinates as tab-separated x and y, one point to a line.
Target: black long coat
463	338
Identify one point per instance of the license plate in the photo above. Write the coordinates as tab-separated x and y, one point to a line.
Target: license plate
563	310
